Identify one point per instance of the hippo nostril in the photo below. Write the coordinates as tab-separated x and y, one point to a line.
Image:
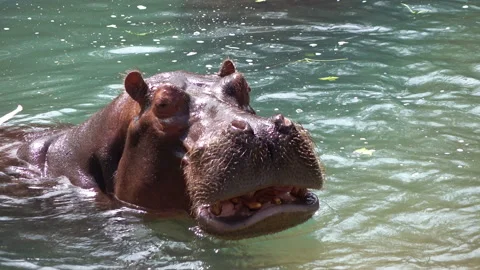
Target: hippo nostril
282	124
241	125
184	161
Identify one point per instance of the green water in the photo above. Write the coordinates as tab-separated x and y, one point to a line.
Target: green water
408	87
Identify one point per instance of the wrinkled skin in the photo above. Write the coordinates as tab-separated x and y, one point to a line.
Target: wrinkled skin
183	141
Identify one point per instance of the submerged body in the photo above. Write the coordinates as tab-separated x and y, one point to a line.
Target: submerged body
183	141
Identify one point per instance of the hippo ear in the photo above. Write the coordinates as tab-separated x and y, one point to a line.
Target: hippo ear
227	68
136	87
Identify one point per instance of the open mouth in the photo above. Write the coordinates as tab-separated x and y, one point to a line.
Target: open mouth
270	209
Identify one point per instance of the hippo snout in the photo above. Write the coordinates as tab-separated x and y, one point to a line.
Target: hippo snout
256	172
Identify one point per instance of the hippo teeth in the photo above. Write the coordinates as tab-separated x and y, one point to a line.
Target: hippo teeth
216	208
277	201
253	201
254	205
225	208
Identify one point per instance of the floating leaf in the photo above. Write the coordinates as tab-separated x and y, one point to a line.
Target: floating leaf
329	78
259	1
364	151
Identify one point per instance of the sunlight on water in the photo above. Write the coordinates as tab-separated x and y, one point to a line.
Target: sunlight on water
137	49
390	93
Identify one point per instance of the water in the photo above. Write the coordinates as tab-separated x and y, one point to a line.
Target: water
408	87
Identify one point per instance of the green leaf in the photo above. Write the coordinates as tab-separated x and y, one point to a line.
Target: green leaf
329	78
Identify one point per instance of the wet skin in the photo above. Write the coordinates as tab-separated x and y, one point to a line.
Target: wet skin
183	141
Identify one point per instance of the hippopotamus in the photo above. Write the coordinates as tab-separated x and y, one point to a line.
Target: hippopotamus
179	141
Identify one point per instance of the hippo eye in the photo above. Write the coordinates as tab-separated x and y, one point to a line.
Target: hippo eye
168	101
163	104
238	89
230	89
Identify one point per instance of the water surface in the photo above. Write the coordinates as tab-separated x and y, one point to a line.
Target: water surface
407	90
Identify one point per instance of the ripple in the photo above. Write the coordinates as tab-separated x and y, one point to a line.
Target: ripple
444	76
4	54
138	49
277	48
281	96
355	28
110	54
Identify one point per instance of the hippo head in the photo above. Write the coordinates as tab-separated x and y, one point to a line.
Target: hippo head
196	143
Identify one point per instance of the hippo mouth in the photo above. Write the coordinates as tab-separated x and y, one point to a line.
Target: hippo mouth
267	210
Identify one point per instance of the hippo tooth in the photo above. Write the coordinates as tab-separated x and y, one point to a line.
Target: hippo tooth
216	208
235	200
228	209
277	201
254	205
